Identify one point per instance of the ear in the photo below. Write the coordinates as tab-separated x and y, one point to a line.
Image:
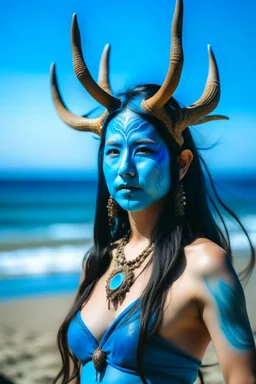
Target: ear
184	161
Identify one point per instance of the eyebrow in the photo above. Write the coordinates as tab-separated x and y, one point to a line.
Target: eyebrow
145	141
142	141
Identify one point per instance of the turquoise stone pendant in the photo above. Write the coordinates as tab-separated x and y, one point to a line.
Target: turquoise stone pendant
118	284
116	281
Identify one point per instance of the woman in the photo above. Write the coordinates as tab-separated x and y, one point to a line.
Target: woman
158	283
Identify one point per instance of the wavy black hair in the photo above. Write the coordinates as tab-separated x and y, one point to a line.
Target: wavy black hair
203	219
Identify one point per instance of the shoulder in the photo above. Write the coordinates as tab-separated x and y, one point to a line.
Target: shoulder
210	268
206	258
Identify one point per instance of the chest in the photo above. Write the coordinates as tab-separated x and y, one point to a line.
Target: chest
99	315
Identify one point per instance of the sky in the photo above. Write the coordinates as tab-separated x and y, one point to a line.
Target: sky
35	34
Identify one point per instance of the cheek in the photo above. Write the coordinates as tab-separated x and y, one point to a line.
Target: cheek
156	174
158	168
108	172
163	165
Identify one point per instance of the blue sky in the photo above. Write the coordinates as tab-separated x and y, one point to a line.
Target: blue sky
35	34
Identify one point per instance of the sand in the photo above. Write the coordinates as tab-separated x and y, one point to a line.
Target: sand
28	328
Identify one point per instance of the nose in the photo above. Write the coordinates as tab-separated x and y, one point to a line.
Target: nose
126	168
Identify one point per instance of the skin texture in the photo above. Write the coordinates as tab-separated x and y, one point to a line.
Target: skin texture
135	155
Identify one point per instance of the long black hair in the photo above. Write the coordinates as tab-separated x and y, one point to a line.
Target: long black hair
171	234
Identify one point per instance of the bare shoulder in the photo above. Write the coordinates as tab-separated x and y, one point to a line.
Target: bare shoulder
210	269
206	258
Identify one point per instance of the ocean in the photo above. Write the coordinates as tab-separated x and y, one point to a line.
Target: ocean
46	227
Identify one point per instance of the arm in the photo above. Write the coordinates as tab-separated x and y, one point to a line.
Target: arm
225	316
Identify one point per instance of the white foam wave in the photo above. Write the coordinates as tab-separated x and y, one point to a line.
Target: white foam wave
239	241
54	232
42	261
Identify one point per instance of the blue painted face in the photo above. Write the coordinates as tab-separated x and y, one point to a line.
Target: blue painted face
136	162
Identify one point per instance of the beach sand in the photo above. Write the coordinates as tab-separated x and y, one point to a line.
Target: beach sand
28	328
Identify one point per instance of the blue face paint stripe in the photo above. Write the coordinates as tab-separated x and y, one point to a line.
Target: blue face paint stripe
161	164
126	127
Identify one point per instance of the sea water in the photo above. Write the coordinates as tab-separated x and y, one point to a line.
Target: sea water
46	227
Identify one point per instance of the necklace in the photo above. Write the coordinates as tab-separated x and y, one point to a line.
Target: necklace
122	277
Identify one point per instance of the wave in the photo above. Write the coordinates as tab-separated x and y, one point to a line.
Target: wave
20	236
47	260
42	261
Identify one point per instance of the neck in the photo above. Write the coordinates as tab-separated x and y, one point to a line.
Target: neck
142	223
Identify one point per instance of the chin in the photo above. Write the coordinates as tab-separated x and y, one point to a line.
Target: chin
133	205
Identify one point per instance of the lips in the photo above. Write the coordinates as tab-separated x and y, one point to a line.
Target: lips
126	187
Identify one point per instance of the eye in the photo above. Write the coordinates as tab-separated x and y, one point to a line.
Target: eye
112	152
144	150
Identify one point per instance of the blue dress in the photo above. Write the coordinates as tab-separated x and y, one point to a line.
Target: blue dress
163	362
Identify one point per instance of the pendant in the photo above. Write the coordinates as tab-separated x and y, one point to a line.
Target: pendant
118	283
99	360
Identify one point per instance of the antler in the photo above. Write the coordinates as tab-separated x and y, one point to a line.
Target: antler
83	73
77	122
176	63
206	119
103	78
209	99
101	92
196	113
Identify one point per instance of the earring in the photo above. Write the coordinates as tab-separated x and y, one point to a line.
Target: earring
112	210
179	200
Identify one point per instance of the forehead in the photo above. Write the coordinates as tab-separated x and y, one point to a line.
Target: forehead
130	126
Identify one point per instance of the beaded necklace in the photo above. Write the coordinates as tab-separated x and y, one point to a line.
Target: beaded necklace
122	277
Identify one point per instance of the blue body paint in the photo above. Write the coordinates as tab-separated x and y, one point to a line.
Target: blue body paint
135	155
232	314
